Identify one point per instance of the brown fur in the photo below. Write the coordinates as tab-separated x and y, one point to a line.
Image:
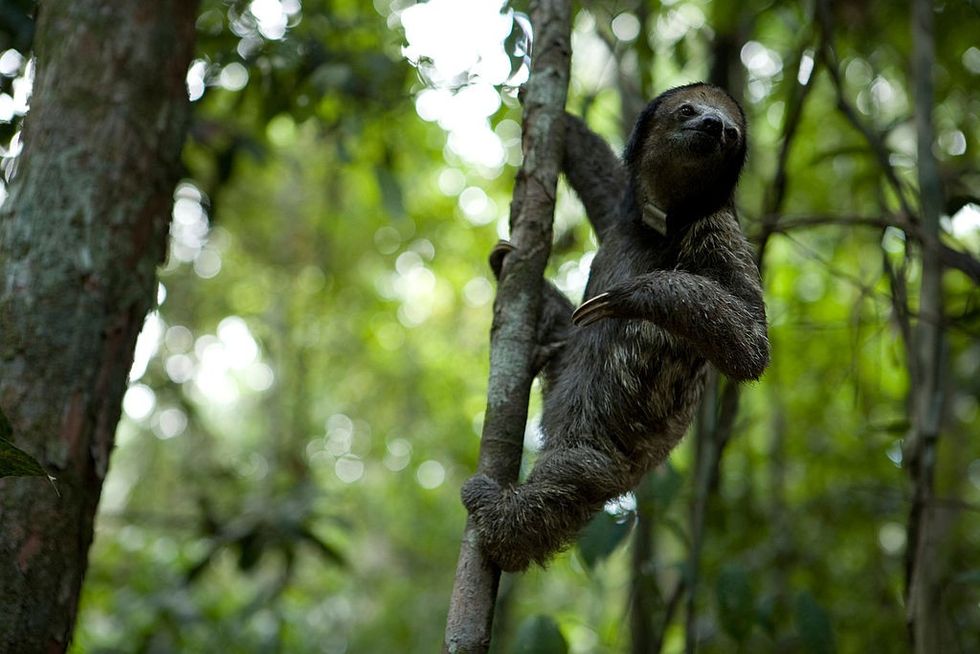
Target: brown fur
623	374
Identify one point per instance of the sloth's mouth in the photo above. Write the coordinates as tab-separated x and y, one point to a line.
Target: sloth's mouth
701	141
704	132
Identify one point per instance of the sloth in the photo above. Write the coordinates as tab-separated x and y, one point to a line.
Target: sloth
673	288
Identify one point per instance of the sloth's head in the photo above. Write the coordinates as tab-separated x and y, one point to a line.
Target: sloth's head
687	148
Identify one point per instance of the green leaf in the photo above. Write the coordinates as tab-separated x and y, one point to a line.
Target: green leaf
813	625
736	606
600	538
540	634
15	462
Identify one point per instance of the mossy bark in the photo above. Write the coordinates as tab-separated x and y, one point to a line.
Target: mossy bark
81	234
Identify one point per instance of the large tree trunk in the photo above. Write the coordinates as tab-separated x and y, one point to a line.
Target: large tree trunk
81	233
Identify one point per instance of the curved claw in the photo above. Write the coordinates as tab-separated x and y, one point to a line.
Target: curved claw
498	254
592	311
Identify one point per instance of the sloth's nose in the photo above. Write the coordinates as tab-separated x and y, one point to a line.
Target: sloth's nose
711	124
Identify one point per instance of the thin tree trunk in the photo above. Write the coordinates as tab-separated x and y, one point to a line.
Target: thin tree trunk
706	453
81	233
516	310
643	584
923	605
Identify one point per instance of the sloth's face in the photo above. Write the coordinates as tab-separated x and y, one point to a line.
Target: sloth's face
694	146
702	122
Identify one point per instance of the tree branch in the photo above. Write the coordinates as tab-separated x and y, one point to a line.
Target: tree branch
950	257
516	310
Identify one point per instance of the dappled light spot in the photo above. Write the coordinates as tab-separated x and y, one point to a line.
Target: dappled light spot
139	402
340	434
23	87
806	67
971	59
966	221
674	24
273	16
349	469
430	474
622	505
398	455
407	262
763	65
10	62
207	264
478	146
211	376
387	239
6	108
259	377
858	72
810	286
775	112
891	537
170	423
179	368
478	292
195	79
233	77
415	287
883	97
894	453
189	229
626	26
953	142
451	181
459	38
533	434
255	466
574	275
239	344
178	339
584	637
760	60
281	130
147	344
424	248
477	207
456	47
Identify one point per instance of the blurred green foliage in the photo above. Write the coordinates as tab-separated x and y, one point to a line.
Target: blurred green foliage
286	475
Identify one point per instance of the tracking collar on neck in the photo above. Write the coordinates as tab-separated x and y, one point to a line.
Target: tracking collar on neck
654	217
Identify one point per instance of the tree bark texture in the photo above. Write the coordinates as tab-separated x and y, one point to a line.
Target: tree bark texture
81	233
515	312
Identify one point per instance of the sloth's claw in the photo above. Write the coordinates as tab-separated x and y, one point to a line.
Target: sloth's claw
498	254
595	309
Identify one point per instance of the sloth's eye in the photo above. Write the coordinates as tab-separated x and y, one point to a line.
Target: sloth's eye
686	110
731	133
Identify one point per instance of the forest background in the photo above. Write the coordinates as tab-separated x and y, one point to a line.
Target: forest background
308	393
